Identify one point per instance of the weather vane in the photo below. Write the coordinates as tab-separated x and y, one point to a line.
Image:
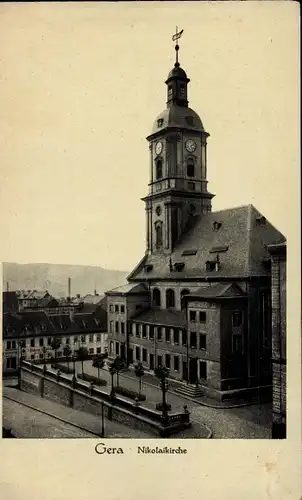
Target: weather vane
175	37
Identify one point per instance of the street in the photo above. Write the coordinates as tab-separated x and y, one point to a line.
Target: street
248	422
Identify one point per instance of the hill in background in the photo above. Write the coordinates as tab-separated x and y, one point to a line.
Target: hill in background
54	278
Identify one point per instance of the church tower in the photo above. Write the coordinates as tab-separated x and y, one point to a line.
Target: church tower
178	166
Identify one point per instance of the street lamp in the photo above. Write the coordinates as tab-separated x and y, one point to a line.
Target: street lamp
112	371
73	362
103	427
162	373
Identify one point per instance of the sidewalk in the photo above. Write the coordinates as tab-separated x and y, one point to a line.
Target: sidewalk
84	421
128	379
90	423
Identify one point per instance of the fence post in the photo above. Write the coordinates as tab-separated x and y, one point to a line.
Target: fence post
91	388
42	386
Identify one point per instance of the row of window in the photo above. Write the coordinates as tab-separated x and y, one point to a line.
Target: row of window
43	326
91	350
171	362
117	327
174	335
179	337
190	170
198	315
170	297
11	344
201	316
117	308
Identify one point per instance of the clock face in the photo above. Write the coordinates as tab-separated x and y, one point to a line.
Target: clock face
158	148
190	145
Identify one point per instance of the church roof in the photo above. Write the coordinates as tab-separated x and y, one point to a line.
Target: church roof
177	72
178	117
236	237
218	291
164	317
92	299
128	289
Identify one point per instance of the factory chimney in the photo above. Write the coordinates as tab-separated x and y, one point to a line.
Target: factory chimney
69	288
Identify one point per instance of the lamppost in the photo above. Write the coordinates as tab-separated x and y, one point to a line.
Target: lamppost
188	358
73	362
103	427
162	373
112	371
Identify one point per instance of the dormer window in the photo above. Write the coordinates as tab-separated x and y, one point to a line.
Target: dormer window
159	169
210	265
170	91
178	266
216	225
160	122
189	252
190	167
213	265
260	221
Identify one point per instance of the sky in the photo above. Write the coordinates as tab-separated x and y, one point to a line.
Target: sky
80	87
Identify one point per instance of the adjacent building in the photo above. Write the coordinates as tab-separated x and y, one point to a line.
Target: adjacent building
278	256
29	332
199	301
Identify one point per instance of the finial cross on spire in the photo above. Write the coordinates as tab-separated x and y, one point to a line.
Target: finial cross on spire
175	37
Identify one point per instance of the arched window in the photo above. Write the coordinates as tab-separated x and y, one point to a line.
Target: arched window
159	235
156	297
170	298
185	291
190	167
159	169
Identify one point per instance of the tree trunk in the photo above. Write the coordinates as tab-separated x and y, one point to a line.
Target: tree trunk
68	364
82	367
140	385
55	357
98	372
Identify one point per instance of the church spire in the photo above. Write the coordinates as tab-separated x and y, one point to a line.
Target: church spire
176	37
177	80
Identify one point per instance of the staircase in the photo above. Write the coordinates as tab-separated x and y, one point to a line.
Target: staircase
189	390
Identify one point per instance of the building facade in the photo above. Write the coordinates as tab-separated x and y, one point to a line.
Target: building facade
200	296
29	332
278	256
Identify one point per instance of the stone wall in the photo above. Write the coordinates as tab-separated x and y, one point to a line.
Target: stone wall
33	381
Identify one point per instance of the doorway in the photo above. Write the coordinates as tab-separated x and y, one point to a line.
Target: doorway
130	355
151	360
123	351
193	371
185	371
